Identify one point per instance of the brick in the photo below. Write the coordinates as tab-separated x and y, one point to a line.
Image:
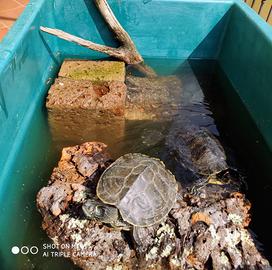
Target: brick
106	97
81	110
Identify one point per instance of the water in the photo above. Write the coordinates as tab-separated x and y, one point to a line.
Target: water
214	105
241	137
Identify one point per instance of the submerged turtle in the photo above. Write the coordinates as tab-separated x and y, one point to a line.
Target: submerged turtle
134	190
198	150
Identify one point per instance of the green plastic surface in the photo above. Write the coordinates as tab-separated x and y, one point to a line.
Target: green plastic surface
225	30
246	58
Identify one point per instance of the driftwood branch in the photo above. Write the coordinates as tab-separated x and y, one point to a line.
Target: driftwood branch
114	52
114	24
127	52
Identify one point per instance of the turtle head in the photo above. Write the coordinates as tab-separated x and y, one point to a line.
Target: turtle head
94	209
97	210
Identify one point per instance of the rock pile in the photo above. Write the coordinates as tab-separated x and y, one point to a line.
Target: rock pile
199	233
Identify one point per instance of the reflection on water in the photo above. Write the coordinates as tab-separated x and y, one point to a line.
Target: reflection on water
200	104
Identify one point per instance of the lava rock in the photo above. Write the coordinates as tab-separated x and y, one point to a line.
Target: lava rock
198	233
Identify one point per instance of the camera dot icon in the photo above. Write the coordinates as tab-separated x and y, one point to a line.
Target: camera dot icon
15	250
25	250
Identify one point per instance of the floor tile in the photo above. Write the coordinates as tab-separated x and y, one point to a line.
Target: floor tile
7	22
8	4
3	32
23	2
10	10
11	14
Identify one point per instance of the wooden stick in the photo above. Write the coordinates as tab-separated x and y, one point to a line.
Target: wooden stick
119	31
113	23
115	52
127	52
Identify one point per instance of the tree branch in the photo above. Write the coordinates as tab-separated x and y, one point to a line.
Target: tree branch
113	23
119	31
115	52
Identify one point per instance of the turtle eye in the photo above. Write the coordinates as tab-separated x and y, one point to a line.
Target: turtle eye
89	209
99	211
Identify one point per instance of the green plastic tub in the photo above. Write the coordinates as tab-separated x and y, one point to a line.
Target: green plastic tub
227	31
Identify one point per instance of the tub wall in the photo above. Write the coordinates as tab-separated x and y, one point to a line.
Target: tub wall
26	65
246	58
172	29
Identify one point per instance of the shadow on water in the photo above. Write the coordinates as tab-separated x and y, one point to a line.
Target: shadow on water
238	132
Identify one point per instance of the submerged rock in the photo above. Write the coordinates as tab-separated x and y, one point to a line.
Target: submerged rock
152	98
198	233
151	137
84	105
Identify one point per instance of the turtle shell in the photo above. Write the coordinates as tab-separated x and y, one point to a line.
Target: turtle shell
141	188
199	150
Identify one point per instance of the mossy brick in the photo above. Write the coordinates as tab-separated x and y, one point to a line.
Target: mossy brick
93	70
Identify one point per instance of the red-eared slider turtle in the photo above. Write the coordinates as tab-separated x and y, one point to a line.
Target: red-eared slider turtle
139	186
201	154
198	150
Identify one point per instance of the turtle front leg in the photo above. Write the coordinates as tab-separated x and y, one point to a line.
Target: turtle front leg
121	225
196	189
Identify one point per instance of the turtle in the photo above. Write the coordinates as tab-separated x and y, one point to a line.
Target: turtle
198	150
202	156
134	191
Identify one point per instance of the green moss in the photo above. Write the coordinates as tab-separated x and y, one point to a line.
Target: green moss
93	70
